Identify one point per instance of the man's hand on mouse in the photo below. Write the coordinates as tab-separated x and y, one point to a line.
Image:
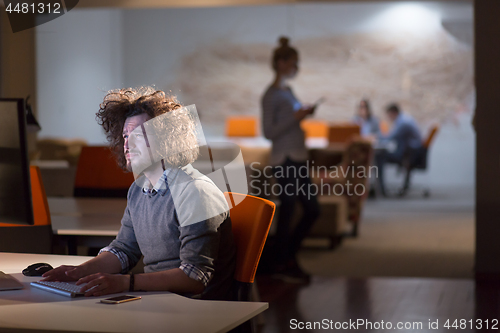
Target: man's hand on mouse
64	273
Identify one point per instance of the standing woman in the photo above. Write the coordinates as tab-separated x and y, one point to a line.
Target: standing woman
282	114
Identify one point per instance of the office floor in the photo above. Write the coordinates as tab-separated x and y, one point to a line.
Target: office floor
412	236
413	261
394	300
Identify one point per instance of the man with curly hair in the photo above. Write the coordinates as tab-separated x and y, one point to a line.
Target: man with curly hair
176	217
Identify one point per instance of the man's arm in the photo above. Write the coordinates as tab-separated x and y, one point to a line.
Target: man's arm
174	280
105	262
397	132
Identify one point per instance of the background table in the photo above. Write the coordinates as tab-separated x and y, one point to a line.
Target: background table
33	309
93	222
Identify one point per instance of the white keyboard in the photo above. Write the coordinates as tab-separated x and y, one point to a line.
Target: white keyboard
68	289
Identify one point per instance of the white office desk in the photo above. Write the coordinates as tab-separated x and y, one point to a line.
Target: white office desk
34	310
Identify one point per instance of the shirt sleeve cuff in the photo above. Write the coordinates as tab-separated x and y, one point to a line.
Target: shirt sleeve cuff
122	256
196	274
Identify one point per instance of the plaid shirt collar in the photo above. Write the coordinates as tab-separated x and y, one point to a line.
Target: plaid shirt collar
161	186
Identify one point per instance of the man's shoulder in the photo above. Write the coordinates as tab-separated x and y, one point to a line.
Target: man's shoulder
196	197
194	182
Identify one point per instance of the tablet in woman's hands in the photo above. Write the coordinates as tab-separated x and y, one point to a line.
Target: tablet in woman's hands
318	102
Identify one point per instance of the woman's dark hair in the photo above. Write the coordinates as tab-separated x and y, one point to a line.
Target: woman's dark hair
118	105
283	52
368	107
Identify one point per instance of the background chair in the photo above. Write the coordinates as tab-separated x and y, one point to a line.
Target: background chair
241	126
30	239
356	166
251	220
385	127
98	174
418	161
342	133
315	128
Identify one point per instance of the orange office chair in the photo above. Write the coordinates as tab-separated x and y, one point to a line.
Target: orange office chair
30	239
385	127
241	126
251	219
342	133
98	174
430	137
315	128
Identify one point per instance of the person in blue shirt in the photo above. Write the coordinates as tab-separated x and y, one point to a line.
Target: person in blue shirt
407	137
368	123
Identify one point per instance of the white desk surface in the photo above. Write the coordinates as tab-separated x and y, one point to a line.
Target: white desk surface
34	310
261	142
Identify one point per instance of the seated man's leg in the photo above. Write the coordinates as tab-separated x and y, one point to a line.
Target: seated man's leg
414	156
381	158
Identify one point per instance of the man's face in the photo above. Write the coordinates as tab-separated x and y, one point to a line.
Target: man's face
392	115
134	144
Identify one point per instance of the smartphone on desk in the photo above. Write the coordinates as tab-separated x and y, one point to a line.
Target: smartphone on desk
120	299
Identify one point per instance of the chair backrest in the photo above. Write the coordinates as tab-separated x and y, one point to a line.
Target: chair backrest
30	239
98	174
341	133
385	127
241	126
315	128
41	212
251	219
432	133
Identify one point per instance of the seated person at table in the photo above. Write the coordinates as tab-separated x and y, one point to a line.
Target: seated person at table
177	218
406	134
367	122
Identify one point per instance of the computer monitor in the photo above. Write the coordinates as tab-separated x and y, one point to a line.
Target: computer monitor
15	186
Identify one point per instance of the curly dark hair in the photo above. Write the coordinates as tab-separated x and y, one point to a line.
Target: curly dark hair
118	105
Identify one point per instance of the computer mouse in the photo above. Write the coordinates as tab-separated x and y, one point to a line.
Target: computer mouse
37	269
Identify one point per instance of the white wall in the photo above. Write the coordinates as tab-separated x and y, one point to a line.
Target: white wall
79	57
87	52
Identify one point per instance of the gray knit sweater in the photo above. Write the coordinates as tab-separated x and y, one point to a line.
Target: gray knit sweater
167	236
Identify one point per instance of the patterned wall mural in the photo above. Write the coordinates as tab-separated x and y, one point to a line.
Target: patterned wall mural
430	77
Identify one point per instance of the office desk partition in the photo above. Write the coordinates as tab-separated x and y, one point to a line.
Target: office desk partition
32	310
70	206
93	222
